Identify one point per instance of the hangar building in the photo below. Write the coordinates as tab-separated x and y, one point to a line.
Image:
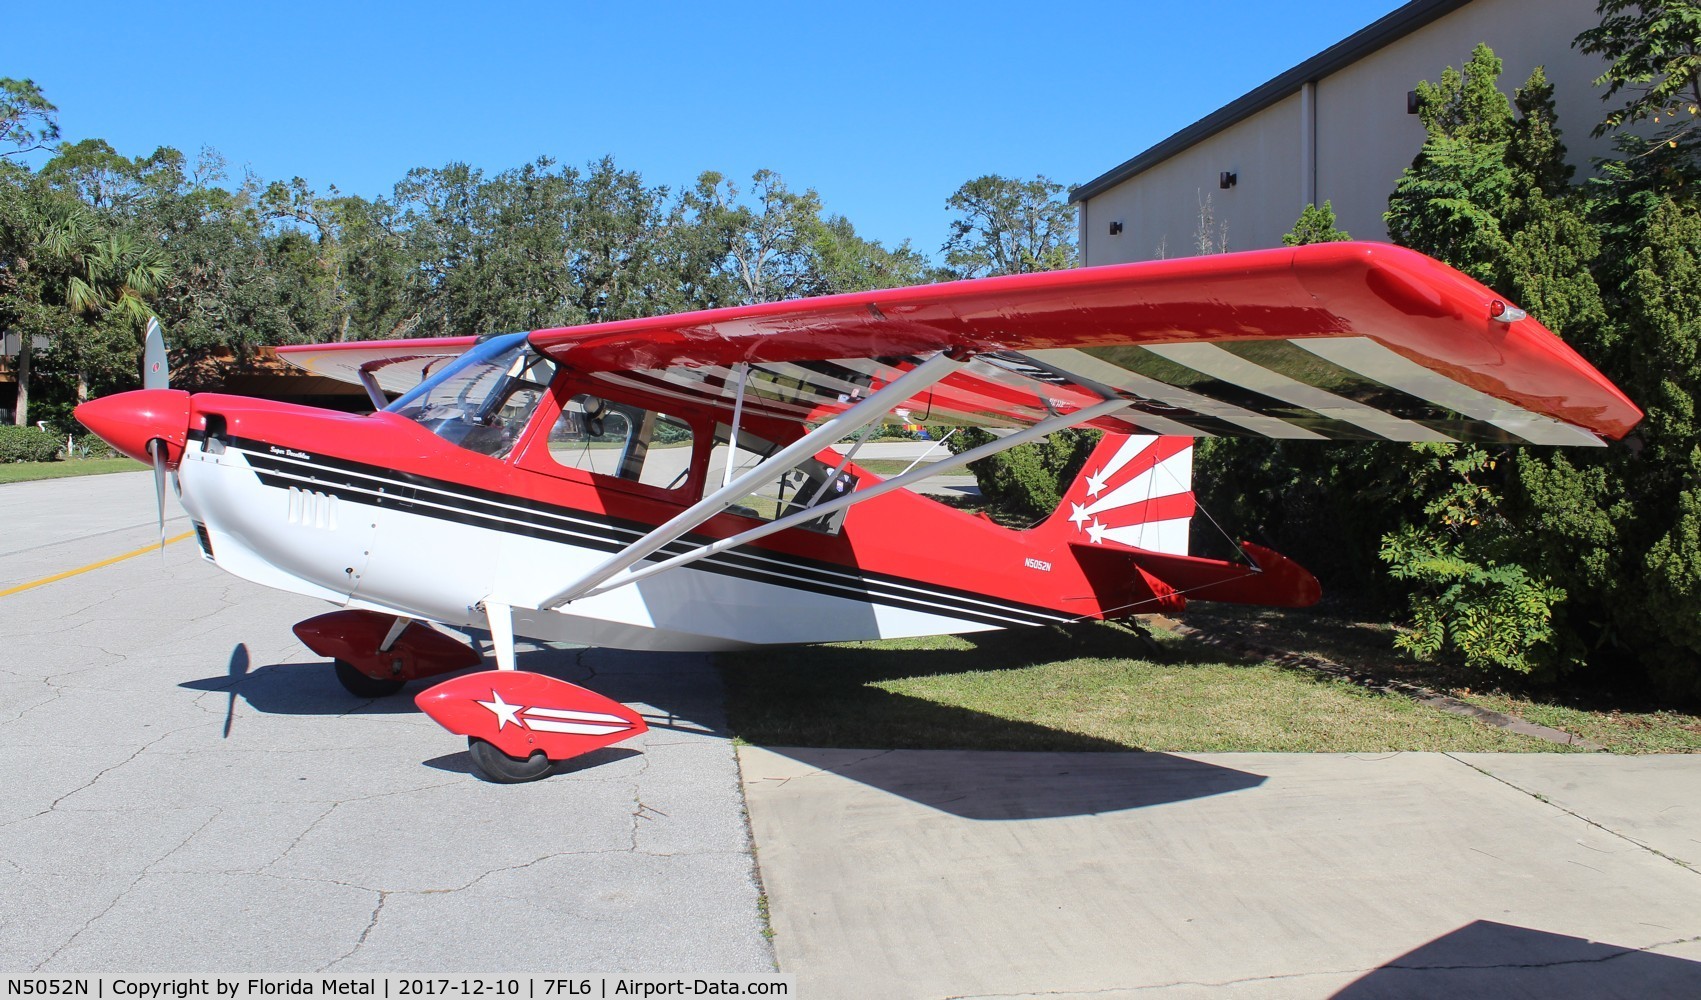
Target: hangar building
1338	127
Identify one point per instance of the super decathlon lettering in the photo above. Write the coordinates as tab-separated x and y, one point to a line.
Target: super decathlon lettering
553	720
291	453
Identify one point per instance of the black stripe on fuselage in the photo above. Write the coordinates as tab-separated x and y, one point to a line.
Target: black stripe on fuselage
394	490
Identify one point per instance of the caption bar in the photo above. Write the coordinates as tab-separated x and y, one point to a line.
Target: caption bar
397	987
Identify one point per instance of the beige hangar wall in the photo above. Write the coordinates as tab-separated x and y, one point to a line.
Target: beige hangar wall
1362	139
1365	137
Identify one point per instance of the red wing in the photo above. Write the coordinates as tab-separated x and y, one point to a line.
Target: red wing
1333	341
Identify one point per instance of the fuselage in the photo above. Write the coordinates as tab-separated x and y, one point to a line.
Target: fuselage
377	512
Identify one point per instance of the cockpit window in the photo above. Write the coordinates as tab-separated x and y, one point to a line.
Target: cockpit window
617	439
789	492
482	400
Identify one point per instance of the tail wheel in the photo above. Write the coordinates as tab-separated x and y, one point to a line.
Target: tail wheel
362	686
494	765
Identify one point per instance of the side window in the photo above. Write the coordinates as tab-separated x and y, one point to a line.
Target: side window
626	442
786	493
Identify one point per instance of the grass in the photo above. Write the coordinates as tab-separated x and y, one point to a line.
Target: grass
887	468
1617	720
1619	730
23	472
1085	687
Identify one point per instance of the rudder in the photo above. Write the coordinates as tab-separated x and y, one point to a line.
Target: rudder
1134	490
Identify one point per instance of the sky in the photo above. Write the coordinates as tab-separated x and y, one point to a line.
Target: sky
883	108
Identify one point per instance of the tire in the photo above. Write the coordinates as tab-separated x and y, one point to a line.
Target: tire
362	686
494	765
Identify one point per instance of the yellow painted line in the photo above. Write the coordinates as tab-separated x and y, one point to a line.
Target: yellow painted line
55	578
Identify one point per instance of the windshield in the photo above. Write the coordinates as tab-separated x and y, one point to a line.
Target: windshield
483	400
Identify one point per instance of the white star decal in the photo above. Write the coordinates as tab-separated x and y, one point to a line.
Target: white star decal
1095	483
1078	516
505	713
1096	530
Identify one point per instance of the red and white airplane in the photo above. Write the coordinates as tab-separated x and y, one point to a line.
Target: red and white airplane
672	483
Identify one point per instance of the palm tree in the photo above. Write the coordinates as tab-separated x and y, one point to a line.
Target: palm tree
57	233
119	272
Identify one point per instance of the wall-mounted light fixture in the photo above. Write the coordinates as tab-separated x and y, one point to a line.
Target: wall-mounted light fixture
1227	179
1412	103
1116	228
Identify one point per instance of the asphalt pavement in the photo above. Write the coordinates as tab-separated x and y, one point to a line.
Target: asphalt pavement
188	789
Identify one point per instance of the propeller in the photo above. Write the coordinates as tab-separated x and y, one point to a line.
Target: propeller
156	367
157	452
147	424
156	374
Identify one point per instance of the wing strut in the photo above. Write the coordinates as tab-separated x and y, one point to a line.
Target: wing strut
743	368
854	419
811	513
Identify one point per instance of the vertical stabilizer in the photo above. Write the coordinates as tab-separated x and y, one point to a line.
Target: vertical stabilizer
1134	490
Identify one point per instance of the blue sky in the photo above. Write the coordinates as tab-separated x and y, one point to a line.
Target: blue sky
883	108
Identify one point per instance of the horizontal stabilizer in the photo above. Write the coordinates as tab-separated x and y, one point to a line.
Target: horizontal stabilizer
1269	579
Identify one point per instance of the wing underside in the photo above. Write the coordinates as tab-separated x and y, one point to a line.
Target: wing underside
394	365
1331	342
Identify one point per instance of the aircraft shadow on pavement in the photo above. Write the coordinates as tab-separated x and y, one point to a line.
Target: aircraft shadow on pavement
1487	959
1018	785
684	691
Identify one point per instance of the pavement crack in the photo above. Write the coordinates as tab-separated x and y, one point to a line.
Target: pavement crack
153	866
103	772
840	767
366	932
1573	813
301	836
90	922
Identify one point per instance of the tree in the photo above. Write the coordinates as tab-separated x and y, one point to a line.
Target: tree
768	239
842	261
1653	48
1488	194
1009	226
28	121
1315	225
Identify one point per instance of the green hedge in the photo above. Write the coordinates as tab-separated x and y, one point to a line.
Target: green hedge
28	444
91	446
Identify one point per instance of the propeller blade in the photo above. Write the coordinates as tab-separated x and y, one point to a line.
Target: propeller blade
156	451
156	368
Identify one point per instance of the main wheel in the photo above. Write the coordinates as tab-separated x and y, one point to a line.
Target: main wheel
494	765
362	686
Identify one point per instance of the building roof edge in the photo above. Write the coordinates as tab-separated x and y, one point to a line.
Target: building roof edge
1396	24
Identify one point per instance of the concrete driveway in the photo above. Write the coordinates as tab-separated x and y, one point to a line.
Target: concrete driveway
961	874
187	788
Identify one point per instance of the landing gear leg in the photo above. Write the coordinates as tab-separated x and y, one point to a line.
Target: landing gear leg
494	765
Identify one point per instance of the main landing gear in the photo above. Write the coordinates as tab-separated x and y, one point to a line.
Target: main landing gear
377	654
518	724
494	765
362	686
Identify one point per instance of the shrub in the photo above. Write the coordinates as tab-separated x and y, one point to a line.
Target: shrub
91	446
27	444
1028	481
